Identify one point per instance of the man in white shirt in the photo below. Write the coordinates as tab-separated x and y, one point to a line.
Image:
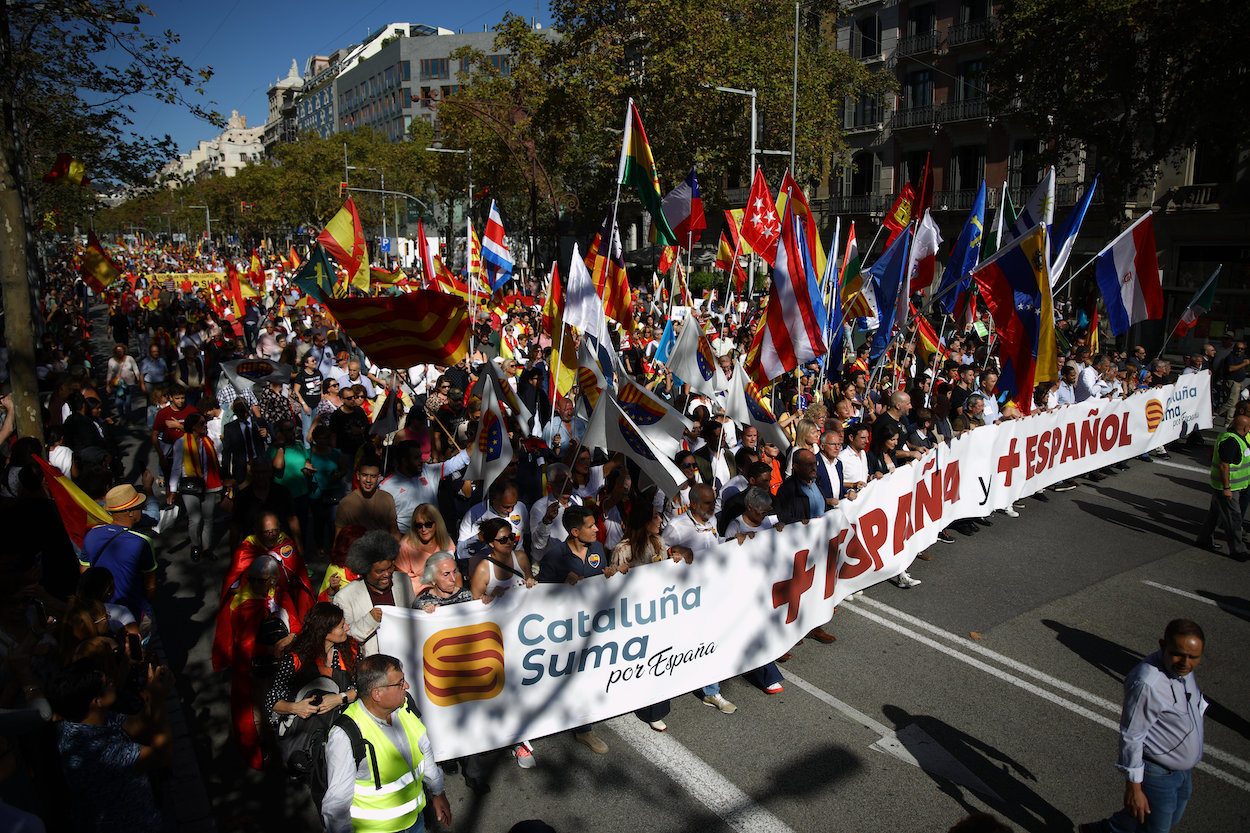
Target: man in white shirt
854	457
1092	381
413	483
501	502
992	412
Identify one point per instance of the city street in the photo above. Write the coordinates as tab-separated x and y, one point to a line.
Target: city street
995	686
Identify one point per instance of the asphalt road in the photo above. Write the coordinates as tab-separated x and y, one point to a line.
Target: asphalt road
907	723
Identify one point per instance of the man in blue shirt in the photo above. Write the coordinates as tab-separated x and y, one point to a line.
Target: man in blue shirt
127	554
1160	734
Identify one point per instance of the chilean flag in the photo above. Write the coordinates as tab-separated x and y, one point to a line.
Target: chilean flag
496	262
1128	276
683	208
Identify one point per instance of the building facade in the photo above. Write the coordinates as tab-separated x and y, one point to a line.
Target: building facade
229	152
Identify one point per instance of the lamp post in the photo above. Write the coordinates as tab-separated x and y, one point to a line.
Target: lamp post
208	231
751	175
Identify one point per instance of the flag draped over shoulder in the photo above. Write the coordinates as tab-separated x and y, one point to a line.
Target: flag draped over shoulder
344	239
78	511
683	209
790	330
1016	290
98	269
423	327
496	262
637	168
606	265
1199	305
964	256
1128	276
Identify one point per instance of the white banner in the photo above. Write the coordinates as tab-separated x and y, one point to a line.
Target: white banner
554	657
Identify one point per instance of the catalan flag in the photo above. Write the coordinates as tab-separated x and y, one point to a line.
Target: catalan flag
344	239
422	327
98	269
78	511
637	168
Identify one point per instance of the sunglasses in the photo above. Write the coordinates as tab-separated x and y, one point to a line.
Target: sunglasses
505	539
689	465
423	525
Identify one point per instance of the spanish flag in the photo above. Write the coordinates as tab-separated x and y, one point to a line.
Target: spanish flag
345	240
98	269
78	511
67	169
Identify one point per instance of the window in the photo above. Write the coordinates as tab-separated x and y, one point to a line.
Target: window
970	80
433	68
1024	170
864	111
968	167
405	70
866	177
971	11
921	20
866	38
501	63
918	91
913	167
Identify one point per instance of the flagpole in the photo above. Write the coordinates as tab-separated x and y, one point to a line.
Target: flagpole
937	356
1201	290
1072	277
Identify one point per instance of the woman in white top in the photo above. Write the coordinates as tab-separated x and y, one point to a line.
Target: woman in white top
642	543
493	578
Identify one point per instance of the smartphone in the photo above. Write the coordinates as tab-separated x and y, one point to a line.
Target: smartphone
134	647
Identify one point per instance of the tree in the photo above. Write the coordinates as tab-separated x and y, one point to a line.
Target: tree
67	70
1132	82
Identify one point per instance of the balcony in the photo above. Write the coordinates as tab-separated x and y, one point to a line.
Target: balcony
925	116
954	200
919	43
965	110
863	204
971	32
1196	197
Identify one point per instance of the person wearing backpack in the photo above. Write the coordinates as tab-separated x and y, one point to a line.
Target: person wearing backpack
377	783
312	685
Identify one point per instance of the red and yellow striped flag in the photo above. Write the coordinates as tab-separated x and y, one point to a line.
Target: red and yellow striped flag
78	511
98	269
422	327
344	239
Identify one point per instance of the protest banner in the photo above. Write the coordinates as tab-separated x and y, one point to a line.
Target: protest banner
543	660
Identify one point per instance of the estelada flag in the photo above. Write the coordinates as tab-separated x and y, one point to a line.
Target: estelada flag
900	213
98	269
67	169
78	511
422	327
344	239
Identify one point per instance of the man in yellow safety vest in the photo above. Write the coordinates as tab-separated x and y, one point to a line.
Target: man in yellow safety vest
1230	478
382	790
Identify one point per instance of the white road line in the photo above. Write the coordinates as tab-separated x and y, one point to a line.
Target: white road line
691	773
970	645
846	709
1181	466
1240	611
1051	697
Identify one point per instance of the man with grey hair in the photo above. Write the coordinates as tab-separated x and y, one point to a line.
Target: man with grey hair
385	791
547	515
372	557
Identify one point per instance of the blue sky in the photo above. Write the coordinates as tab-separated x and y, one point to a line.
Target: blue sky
250	44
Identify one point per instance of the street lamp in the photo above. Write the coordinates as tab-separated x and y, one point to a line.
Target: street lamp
208	231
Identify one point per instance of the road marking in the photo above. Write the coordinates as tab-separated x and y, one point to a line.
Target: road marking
701	781
911	744
1239	611
1050	696
1181	466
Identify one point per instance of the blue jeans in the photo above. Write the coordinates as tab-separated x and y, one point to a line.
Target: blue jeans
1167	791
419	827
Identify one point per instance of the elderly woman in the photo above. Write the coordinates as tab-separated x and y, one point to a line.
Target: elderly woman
501	566
755	518
426	536
443	580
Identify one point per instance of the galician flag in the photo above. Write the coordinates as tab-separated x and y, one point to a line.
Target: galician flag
1201	304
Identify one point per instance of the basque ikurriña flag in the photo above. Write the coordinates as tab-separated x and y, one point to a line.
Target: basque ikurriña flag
1128	276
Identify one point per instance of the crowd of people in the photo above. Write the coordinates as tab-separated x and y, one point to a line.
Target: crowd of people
321	515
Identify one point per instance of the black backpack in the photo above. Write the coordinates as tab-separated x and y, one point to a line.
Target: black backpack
319	771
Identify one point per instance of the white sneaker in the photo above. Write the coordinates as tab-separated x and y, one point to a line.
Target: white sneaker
905	581
1010	512
719	702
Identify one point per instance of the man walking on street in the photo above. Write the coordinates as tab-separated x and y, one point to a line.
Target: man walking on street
1160	734
385	791
1230	475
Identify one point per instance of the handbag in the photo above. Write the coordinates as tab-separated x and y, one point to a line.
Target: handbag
193	486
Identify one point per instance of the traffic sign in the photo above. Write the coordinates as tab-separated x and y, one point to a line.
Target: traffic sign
385	245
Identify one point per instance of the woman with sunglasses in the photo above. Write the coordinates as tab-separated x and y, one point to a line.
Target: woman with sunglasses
499	562
329	403
426	536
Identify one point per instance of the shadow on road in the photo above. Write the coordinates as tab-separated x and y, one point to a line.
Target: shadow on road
1014	799
1234	605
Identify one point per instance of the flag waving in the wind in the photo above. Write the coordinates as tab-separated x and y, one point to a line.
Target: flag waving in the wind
1200	305
964	256
490	451
496	262
683	209
745	406
344	239
1128	276
98	269
316	278
858	295
637	168
692	360
761	227
614	429
1063	242
606	264
888	277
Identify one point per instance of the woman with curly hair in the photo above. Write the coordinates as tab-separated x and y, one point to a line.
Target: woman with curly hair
321	649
